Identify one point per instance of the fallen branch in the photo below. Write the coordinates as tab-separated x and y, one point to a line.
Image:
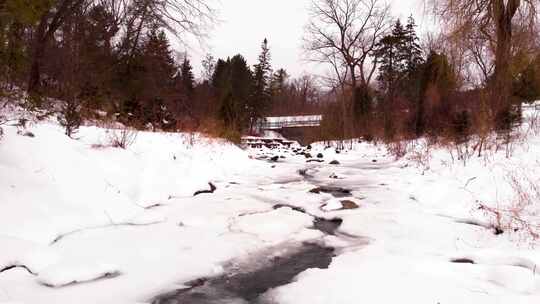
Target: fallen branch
212	189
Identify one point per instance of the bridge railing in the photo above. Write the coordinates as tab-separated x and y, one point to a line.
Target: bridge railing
269	125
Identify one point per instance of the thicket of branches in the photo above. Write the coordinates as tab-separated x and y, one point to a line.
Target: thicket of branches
465	82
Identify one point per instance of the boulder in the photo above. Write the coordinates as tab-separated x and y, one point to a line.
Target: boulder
349	205
331	190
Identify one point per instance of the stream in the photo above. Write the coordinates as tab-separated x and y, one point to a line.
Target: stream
249	283
247	287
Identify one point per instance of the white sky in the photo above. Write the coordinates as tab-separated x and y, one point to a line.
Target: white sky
245	23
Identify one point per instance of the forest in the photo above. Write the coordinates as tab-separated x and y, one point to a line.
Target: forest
112	60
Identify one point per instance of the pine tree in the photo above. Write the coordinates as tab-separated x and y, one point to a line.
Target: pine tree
187	78
219	75
392	58
261	98
157	78
278	87
158	57
391	55
411	84
412	50
233	81
279	81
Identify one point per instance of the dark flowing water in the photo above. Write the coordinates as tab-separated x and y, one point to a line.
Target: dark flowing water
246	287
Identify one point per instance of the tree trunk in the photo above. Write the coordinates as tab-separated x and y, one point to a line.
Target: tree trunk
352	105
502	79
38	52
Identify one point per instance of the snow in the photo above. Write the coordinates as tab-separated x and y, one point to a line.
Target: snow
108	225
269	226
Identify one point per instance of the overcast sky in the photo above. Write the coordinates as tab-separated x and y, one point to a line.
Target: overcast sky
245	23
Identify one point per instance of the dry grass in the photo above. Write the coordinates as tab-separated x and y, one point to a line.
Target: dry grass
214	128
520	213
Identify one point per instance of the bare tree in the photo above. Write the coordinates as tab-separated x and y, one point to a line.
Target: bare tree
495	22
180	17
343	33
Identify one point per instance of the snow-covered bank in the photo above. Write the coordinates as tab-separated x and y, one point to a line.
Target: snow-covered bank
77	210
56	184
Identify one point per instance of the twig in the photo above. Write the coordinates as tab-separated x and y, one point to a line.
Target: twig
469	181
212	189
17	266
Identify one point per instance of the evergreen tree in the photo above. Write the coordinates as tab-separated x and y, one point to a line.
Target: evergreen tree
146	80
400	58
391	55
232	81
159	71
96	31
278	83
261	98
411	86
157	56
187	78
278	87
411	48
219	75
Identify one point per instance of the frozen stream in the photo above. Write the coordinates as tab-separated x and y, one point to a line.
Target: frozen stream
247	287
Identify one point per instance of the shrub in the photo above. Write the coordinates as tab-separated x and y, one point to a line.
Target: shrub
2	121
70	117
122	138
398	148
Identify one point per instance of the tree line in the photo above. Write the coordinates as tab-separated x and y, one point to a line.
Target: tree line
114	58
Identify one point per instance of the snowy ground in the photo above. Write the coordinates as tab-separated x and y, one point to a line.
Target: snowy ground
85	223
